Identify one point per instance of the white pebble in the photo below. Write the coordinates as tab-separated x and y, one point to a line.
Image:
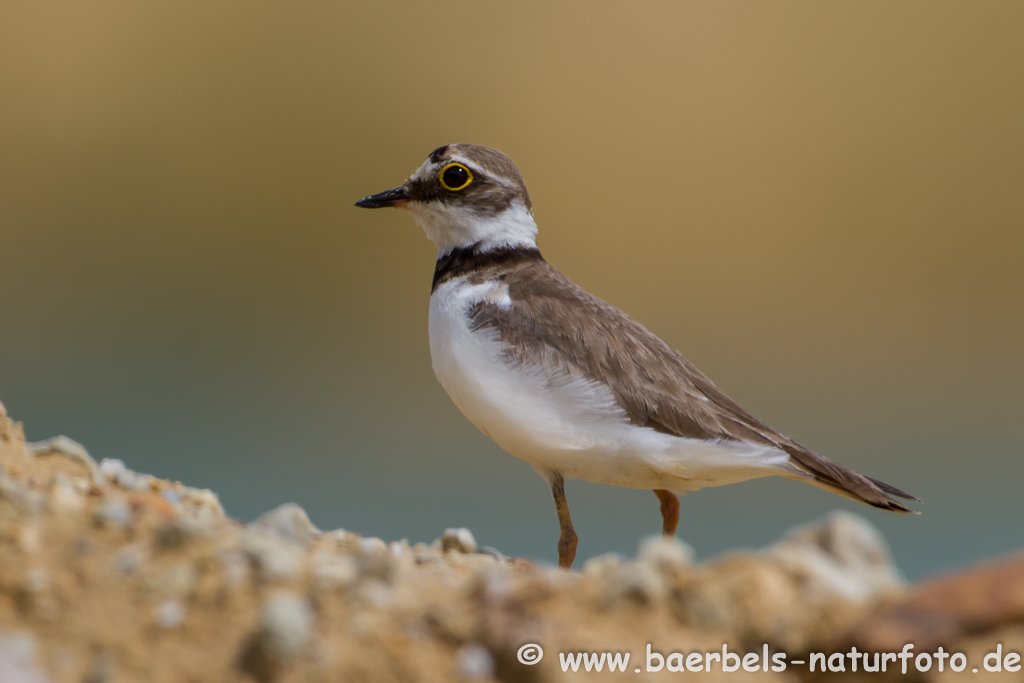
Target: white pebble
111	468
63	496
170	614
286	625
275	559
288	521
62	445
474	661
666	555
460	540
114	511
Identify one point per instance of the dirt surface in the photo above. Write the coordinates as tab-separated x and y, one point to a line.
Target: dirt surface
107	575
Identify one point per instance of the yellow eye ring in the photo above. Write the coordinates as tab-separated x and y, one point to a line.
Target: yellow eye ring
458	177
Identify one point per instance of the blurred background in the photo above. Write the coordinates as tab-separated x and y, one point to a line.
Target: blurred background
821	205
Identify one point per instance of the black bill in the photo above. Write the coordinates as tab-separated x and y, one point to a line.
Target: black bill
396	197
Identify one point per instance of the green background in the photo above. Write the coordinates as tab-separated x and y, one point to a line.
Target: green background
820	204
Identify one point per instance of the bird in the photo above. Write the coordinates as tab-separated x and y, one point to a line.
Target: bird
567	382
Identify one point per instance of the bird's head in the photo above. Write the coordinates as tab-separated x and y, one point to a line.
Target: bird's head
465	196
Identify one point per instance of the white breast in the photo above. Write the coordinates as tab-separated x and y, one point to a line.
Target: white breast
567	424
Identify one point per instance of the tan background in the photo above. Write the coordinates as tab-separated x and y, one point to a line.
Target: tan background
820	204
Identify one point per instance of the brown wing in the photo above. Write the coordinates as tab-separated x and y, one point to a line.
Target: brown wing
552	321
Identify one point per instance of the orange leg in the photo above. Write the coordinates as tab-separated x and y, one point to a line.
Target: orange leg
567	539
669	512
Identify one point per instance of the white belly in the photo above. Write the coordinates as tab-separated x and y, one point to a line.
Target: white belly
565	424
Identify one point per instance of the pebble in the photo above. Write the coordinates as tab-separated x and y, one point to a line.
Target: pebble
114	470
842	557
35	587
21	497
170	614
18	652
204	504
607	565
493	552
35	581
286	626
666	555
64	498
114	511
236	570
289	522
494	584
474	661
130	558
182	530
460	540
110	468
62	445
275	559
176	581
375	560
30	539
637	582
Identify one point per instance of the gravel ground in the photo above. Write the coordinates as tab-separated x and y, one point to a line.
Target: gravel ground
108	575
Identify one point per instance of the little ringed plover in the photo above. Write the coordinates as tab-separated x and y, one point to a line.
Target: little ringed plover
567	382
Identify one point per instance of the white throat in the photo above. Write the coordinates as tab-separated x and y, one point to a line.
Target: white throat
450	227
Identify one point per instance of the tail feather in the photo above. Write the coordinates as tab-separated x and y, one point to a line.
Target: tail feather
892	490
822	472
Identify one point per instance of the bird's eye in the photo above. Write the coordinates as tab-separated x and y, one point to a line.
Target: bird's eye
455	177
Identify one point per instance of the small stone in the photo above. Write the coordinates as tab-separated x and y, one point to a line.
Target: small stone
605	566
375	559
18	652
3	410
290	522
372	545
36	595
460	540
20	497
236	570
35	581
180	531
130	558
206	503
639	583
284	633
493	584
103	669
493	552
176	581
843	557
114	512
170	614
275	558
62	445
286	624
111	468
666	555
64	499
474	661
30	539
